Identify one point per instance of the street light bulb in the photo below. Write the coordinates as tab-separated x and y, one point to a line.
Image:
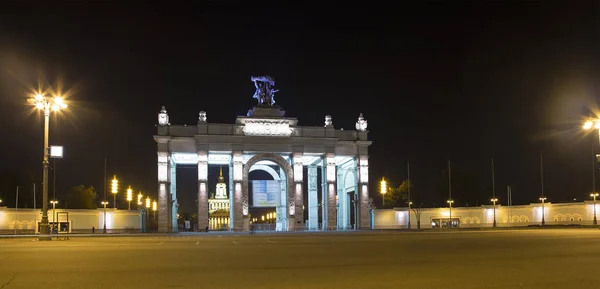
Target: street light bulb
60	103
139	198
147	202
39	105
39	97
154	206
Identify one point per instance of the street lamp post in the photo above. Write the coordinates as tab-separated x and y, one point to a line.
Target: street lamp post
114	190
450	204
594	195
104	203
46	104
154	208
383	191
129	197
543	199
53	202
494	200
139	198
409	207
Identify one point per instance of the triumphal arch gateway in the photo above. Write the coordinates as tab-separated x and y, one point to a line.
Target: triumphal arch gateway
266	139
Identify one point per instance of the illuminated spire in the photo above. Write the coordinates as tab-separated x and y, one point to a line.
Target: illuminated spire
221	179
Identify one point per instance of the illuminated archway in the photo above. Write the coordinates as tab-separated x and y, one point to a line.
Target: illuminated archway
288	218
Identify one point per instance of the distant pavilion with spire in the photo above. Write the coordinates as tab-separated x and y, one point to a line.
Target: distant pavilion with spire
218	206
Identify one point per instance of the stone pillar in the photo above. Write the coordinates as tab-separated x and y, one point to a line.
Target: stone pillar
331	191
340	198
282	212
164	194
363	194
313	199
324	197
240	203
202	190
230	194
174	203
298	193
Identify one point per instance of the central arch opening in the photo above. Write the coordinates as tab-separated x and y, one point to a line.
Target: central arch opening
267	196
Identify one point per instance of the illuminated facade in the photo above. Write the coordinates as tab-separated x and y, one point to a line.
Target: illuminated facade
265	139
218	206
581	213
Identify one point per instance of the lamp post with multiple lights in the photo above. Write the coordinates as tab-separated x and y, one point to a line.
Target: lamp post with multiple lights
154	208
593	124
494	200
543	199
114	190
53	202
450	202
383	191
104	203
47	104
129	197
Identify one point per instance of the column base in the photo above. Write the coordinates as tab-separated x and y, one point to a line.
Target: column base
291	223
246	227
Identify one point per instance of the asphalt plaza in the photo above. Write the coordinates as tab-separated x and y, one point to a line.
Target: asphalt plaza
542	258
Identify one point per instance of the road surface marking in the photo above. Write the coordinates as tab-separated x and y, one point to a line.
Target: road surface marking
197	242
235	242
219	236
159	243
269	240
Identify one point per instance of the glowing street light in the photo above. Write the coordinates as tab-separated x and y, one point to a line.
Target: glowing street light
543	199
154	208
139	198
129	197
494	200
594	195
148	202
114	185
47	104
383	190
104	203
450	202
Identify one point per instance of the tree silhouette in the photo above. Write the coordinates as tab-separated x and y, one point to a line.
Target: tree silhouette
80	197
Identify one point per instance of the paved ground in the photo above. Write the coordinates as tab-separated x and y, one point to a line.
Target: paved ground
562	258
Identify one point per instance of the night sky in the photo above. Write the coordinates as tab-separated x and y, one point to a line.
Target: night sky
436	81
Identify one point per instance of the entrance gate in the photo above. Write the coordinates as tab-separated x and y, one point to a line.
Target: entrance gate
267	136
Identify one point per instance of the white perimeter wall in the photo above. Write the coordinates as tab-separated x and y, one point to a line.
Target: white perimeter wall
25	219
581	213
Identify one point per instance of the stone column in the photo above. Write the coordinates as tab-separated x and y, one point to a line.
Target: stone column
299	193
323	194
240	208
230	196
331	191
174	203
363	214
313	199
282	210
164	194
340	199
202	190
